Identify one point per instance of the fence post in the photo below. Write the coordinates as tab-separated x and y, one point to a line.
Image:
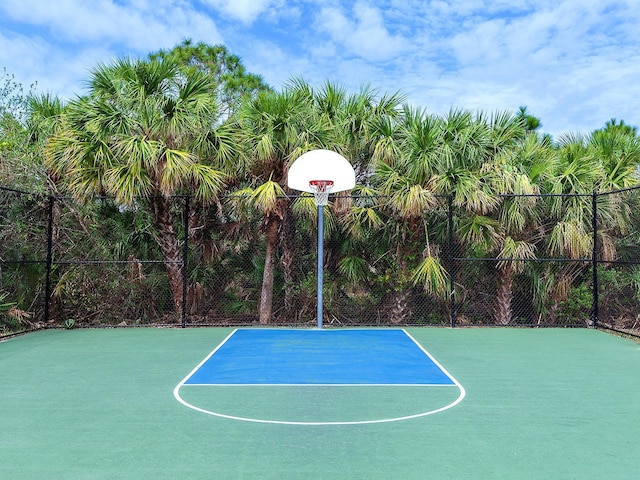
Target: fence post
185	260
452	272
47	285
594	259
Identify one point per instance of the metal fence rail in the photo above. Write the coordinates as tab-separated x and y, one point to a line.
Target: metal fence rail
100	264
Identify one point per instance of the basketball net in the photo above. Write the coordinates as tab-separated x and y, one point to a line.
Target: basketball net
321	189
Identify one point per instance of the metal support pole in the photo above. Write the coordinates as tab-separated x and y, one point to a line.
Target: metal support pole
185	260
594	259
452	272
320	261
47	286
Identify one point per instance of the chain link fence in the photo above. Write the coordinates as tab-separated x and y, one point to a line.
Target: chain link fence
546	260
23	252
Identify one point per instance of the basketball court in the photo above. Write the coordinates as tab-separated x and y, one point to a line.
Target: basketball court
321	403
347	365
100	404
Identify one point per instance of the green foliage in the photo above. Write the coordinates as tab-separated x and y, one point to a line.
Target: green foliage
432	276
233	82
6	321
12	318
20	153
192	121
13	99
579	302
529	122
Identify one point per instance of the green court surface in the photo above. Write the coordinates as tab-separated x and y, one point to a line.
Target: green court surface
540	404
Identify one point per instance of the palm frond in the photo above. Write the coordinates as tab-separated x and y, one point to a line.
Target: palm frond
359	220
355	269
265	197
127	182
516	249
412	203
176	167
208	181
432	276
478	230
570	239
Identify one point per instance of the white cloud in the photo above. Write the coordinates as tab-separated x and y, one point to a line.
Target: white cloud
57	46
568	61
244	10
470	58
36	62
31	54
574	63
268	59
365	35
140	25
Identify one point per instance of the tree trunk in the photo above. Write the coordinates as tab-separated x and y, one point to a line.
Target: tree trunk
266	296
287	263
504	296
170	246
400	310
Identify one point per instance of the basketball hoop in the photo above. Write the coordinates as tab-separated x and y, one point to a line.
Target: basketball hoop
321	189
302	176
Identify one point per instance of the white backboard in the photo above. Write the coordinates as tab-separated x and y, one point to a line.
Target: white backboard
321	165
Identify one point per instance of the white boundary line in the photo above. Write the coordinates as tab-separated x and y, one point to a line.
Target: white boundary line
176	394
197	367
433	359
258	385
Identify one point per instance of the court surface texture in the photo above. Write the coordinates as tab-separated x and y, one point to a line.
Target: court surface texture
308	404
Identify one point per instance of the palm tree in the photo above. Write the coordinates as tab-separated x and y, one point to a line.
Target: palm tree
404	177
568	213
510	150
143	134
460	164
528	121
275	128
601	162
233	82
357	120
483	163
476	163
618	153
621	127
525	167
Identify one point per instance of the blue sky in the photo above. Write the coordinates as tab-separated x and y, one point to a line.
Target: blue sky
574	63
